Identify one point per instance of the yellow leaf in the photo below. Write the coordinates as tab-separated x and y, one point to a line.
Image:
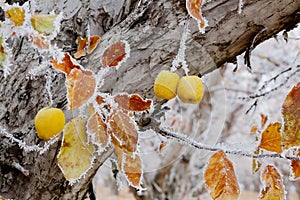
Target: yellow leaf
44	24
270	139
291	115
16	15
273	186
220	178
76	154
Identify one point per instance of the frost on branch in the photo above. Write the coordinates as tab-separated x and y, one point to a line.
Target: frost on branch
291	115
75	157
271	139
220	178
273	187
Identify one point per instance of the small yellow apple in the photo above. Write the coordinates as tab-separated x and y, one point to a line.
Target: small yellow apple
165	85
190	89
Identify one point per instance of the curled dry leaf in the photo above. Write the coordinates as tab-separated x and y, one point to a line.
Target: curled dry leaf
123	131
85	47
220	178
273	188
76	154
291	114
115	54
270	139
80	83
16	15
97	129
194	9
44	24
132	102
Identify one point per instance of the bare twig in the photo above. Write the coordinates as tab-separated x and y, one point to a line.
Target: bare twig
180	138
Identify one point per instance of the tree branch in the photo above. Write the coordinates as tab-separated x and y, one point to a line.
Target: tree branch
180	138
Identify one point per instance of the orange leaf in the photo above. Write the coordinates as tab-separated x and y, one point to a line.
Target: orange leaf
123	131
114	54
295	167
97	129
194	9
220	178
291	116
132	167
273	185
81	86
83	44
132	102
264	119
270	139
16	15
66	65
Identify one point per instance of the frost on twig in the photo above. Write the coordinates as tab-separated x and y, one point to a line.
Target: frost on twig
180	57
240	8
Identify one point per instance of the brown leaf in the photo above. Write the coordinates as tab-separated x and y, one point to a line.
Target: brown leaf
114	54
66	65
97	129
132	102
220	178
194	9
295	166
264	119
83	44
132	167
123	131
39	41
291	116
256	164
270	139
273	185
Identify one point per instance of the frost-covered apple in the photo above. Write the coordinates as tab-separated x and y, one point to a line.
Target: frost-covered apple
190	89
165	84
48	122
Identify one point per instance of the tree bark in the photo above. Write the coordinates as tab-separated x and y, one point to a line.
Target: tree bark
153	28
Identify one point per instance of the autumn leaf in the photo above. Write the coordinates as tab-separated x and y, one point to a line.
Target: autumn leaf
83	47
76	155
194	9
80	83
291	115
273	188
132	168
16	15
3	53
39	41
44	24
264	119
123	131
256	164
132	102
270	139
220	178
295	166
115	54
97	129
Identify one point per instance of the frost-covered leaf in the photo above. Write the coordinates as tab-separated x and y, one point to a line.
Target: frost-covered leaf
39	41
220	178
16	15
273	188
132	102
115	54
66	65
123	131
194	9
291	114
80	83
44	24
81	86
3	53
256	164
295	166
270	139
97	129
83	46
76	155
132	168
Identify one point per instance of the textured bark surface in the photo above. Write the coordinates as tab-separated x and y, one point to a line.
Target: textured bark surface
153	29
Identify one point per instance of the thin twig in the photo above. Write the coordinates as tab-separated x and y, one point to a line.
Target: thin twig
180	138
